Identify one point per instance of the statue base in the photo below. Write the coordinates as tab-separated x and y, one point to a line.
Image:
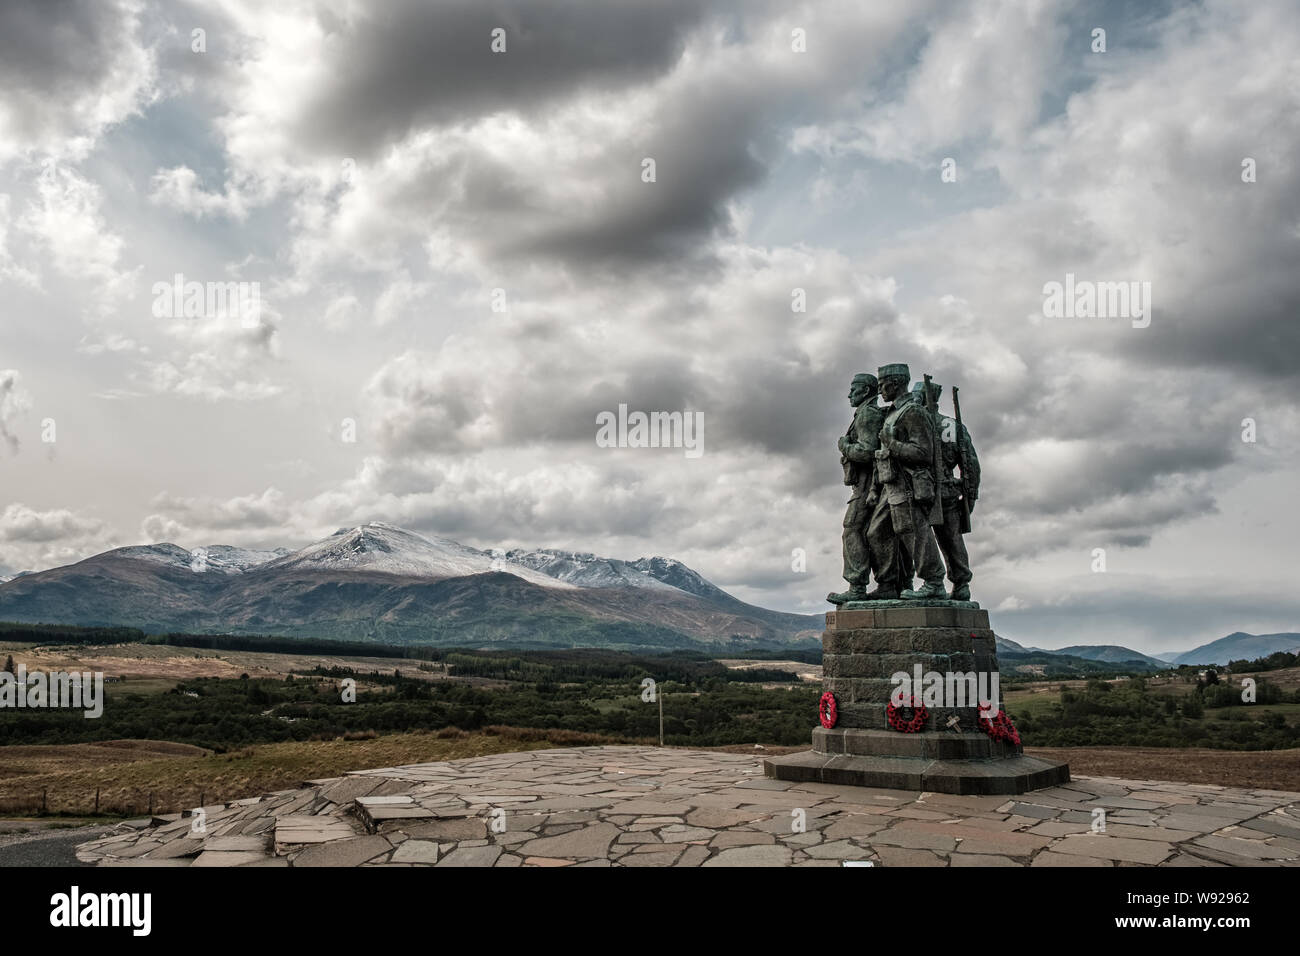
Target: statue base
899	602
864	644
1009	776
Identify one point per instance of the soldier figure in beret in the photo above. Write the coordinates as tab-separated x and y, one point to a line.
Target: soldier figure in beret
948	536
902	495
857	456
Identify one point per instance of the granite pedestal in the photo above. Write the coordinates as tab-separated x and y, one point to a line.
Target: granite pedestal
863	645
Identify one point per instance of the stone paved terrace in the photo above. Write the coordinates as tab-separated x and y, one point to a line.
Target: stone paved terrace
638	806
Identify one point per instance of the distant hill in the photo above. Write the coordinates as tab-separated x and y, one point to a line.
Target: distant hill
1052	665
1081	660
1110	654
1012	647
1005	646
1239	646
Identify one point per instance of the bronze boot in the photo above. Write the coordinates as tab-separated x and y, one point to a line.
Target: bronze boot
926	592
855	592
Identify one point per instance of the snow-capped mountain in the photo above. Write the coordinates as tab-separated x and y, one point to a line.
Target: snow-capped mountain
389	550
377	582
675	574
592	571
221	558
167	554
585	569
239	560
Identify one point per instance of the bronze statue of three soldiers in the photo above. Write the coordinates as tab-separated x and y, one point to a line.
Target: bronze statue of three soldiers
915	479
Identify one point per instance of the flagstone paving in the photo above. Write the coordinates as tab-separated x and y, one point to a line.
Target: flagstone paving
640	806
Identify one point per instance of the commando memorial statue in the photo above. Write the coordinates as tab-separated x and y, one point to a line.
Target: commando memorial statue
910	671
908	507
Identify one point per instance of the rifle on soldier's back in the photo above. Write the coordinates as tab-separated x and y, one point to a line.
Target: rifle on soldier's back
931	406
964	527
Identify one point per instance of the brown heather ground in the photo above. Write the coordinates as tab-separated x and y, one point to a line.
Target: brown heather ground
1249	769
127	772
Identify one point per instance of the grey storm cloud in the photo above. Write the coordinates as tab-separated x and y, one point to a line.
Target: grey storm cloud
549	389
1244	321
396	74
67	68
406	65
426	413
708	146
706	149
55	48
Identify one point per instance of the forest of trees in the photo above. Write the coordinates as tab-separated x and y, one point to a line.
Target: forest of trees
1128	714
599	692
704	708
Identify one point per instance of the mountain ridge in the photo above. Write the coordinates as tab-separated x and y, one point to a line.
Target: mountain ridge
380	582
1238	646
384	583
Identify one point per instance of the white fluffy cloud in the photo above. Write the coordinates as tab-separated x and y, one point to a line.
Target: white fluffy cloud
217	357
66	222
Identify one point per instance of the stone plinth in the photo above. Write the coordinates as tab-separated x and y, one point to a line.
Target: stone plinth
864	644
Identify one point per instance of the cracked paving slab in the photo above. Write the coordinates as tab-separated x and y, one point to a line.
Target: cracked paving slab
647	806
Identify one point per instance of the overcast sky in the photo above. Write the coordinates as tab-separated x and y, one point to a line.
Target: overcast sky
378	170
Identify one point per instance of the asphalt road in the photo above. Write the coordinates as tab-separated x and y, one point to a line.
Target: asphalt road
46	847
